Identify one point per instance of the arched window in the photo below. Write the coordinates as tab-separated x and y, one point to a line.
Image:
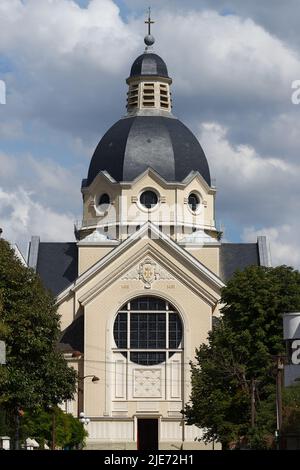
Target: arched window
149	329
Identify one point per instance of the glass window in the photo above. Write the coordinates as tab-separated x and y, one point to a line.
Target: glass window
148	358
147	303
104	201
148	331
120	330
194	201
145	320
175	331
148	199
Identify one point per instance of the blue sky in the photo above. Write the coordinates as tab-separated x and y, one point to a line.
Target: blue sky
232	64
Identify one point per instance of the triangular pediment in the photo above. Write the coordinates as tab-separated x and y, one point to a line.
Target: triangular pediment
134	256
148	267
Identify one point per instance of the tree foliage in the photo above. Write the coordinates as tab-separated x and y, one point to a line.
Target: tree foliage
291	410
241	349
38	425
35	375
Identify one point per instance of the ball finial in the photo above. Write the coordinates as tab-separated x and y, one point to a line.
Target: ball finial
149	40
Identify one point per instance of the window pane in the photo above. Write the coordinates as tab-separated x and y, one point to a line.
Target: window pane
147	303
175	331
148	330
120	330
104	201
148	358
193	201
148	198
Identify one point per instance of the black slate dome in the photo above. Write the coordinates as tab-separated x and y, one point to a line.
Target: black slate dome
149	64
133	144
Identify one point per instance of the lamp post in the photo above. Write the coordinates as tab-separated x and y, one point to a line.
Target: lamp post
53	441
80	389
279	368
83	419
19	414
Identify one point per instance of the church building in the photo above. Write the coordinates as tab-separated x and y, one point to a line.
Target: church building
139	289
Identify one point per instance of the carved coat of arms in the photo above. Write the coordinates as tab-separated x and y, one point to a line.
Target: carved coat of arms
147	272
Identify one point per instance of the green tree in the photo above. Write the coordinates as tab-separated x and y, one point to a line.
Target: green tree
239	350
36	374
291	410
38	424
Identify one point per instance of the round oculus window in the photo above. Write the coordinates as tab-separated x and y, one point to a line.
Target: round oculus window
149	329
148	199
194	202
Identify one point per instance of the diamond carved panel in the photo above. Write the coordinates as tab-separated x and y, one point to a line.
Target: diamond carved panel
147	383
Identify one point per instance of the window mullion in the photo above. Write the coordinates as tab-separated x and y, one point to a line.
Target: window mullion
128	326
167	325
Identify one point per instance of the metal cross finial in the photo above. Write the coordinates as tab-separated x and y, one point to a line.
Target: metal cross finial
149	22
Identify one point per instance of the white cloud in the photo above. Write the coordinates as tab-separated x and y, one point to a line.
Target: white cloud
59	35
72	61
22	216
50	182
66	60
227	54
69	66
283	240
257	191
240	165
267	14
8	166
50	175
38	198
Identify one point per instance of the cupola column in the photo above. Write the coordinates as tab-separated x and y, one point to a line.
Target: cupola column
149	92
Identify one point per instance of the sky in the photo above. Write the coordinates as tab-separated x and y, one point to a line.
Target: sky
64	65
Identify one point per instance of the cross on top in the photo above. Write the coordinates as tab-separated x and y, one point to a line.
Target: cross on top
149	22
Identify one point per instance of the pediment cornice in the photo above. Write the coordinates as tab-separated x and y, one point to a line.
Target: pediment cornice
151	232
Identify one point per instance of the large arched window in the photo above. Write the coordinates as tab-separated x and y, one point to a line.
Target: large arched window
148	329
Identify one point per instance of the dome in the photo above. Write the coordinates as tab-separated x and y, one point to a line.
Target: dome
149	64
133	144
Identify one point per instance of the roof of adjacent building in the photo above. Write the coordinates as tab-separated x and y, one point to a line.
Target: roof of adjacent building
134	144
57	265
237	256
57	262
149	64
